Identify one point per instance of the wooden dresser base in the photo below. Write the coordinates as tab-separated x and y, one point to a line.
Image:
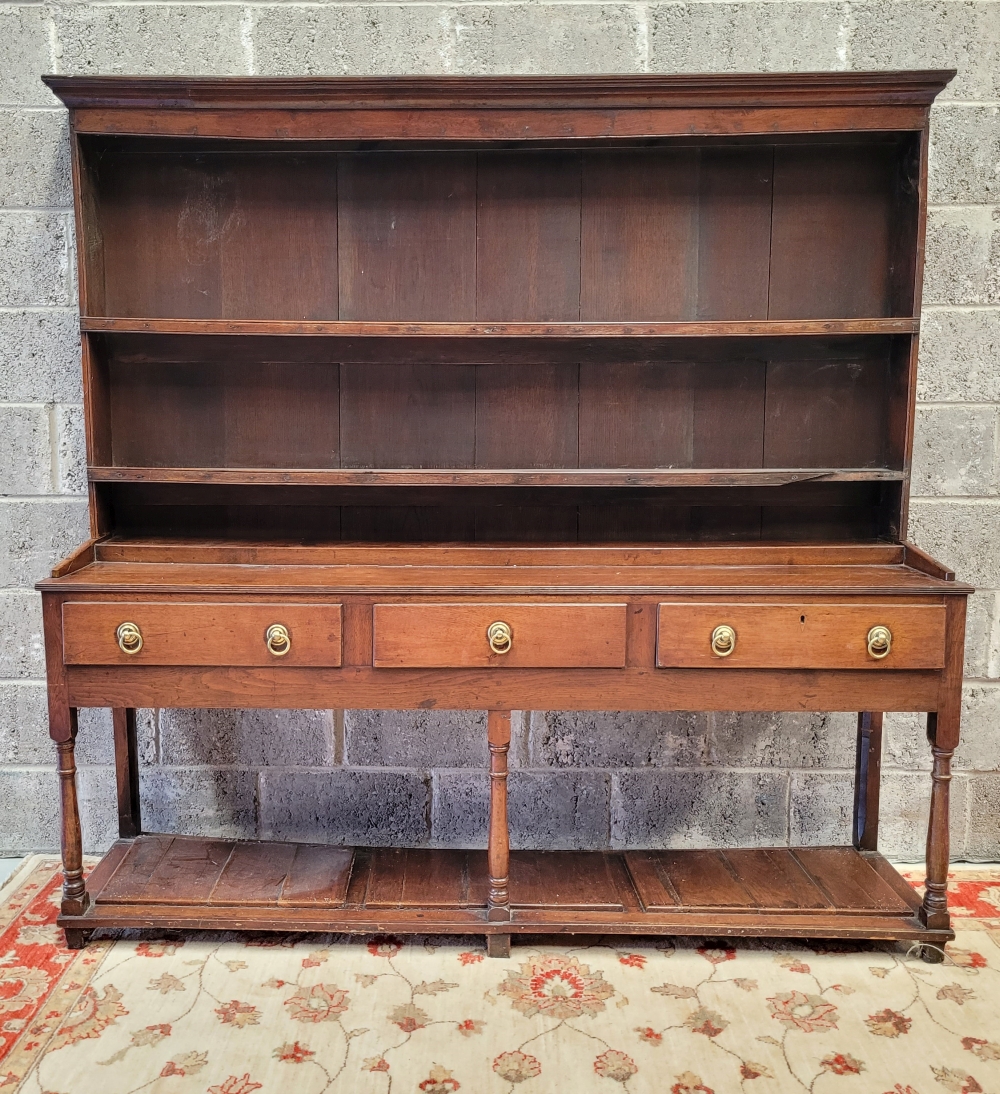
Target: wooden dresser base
194	883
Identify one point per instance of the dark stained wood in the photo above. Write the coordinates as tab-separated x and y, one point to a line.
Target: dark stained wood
678	877
127	772
407	236
188	872
774	879
639	236
578	880
351	345
319	877
826	201
849	880
407	416
867	780
528	246
254	874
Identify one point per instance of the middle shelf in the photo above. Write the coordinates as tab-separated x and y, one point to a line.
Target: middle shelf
576	477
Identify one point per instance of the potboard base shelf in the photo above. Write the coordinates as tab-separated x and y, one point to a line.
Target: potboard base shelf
192	883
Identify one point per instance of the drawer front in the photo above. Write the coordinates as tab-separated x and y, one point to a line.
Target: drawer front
202	634
541	635
800	636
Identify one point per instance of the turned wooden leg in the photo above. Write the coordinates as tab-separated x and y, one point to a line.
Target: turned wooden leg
75	898
867	778
934	911
127	772
498	854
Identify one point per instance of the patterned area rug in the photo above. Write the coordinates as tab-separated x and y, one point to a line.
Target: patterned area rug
238	1014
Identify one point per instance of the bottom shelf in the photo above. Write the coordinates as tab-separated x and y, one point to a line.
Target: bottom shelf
196	883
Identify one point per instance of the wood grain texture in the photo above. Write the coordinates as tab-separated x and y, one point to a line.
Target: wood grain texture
432	635
800	635
201	633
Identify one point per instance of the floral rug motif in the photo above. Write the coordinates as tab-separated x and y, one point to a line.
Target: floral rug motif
237	1014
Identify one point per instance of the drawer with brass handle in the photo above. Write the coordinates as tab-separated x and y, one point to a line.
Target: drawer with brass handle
499	634
131	633
803	635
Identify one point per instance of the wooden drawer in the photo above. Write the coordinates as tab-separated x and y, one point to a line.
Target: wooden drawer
201	634
542	635
800	636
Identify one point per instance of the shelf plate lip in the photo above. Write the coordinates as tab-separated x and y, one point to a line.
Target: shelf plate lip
445	477
636	329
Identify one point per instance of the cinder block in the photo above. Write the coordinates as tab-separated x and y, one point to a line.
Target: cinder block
964	152
564	810
906	745
352	40
29	809
35	269
955	451
890	35
546	809
247	738
39	356
983	840
958	355
25	452
24	736
699	808
199	801
751	739
545	38
371	808
24	55
616	739
96	741
960	534
170	39
22	654
71	450
963	255
35	535
34	158
98	808
460	808
821	808
741	37
415	738
904	807
982	636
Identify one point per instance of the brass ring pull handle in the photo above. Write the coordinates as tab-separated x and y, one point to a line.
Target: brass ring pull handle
879	642
723	640
129	638
499	637
277	639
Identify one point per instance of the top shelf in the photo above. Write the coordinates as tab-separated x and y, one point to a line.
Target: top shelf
632	330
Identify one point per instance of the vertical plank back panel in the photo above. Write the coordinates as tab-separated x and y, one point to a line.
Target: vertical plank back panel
407	245
527	415
826	413
528	236
408	415
832	226
639	235
734	232
278	246
282	415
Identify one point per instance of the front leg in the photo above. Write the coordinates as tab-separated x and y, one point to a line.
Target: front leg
75	899
934	910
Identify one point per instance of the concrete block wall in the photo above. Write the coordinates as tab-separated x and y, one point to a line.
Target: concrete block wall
577	780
